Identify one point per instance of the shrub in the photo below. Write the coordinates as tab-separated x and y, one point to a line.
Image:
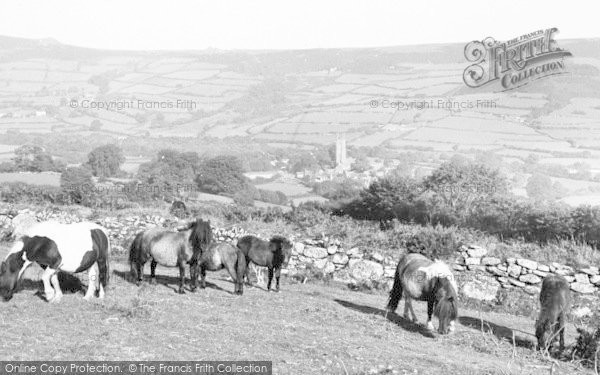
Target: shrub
587	347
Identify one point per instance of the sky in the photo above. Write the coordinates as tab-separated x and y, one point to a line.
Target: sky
293	24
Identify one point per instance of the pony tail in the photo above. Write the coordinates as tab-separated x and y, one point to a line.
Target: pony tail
103	263
396	292
135	254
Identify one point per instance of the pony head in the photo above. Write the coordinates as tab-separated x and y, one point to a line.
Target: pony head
201	235
445	307
282	246
10	271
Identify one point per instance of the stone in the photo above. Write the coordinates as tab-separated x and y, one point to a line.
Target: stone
366	270
583	288
581	312
582	278
569	278
472	261
592	270
389	271
543	268
332	250
526	263
315	252
377	257
298	248
532	290
320	263
511	260
530	279
503	267
476	251
339	258
476	267
21	223
458	267
353	252
540	273
514	270
329	267
516	282
496	271
490	261
481	289
563	272
595	279
503	280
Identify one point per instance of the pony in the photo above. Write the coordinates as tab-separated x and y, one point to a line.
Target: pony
555	301
273	254
419	278
170	249
70	248
222	255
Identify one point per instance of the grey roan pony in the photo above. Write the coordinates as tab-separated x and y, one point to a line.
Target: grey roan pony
419	278
273	254
171	249
222	255
555	301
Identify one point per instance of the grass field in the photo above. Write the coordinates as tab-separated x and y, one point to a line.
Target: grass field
305	329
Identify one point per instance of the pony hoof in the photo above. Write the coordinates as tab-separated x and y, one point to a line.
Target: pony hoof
180	291
152	282
56	299
429	326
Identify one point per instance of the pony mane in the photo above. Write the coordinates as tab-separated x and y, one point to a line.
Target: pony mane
201	235
441	270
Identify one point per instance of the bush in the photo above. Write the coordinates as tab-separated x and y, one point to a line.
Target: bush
587	347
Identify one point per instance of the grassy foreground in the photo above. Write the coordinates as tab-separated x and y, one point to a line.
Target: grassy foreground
305	329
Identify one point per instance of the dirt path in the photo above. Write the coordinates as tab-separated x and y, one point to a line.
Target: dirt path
305	329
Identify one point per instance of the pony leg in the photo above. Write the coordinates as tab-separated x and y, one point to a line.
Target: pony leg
193	277
92	281
270	278
203	275
181	278
56	285
561	327
153	264
48	290
408	307
277	276
232	272
429	314
247	273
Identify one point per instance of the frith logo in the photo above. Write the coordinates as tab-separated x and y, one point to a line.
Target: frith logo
516	62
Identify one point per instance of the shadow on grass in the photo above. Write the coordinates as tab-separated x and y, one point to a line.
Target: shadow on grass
392	317
171	282
501	332
69	284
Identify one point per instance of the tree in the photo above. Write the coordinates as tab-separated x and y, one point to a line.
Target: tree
222	174
35	159
105	161
540	188
77	184
462	184
361	164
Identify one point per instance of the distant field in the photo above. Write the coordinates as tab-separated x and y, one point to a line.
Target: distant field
44	178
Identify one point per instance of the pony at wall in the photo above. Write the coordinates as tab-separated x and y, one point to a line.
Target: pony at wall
555	303
70	248
419	278
170	249
274	255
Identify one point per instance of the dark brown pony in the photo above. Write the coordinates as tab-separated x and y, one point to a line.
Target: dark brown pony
419	278
555	301
218	256
273	254
171	249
